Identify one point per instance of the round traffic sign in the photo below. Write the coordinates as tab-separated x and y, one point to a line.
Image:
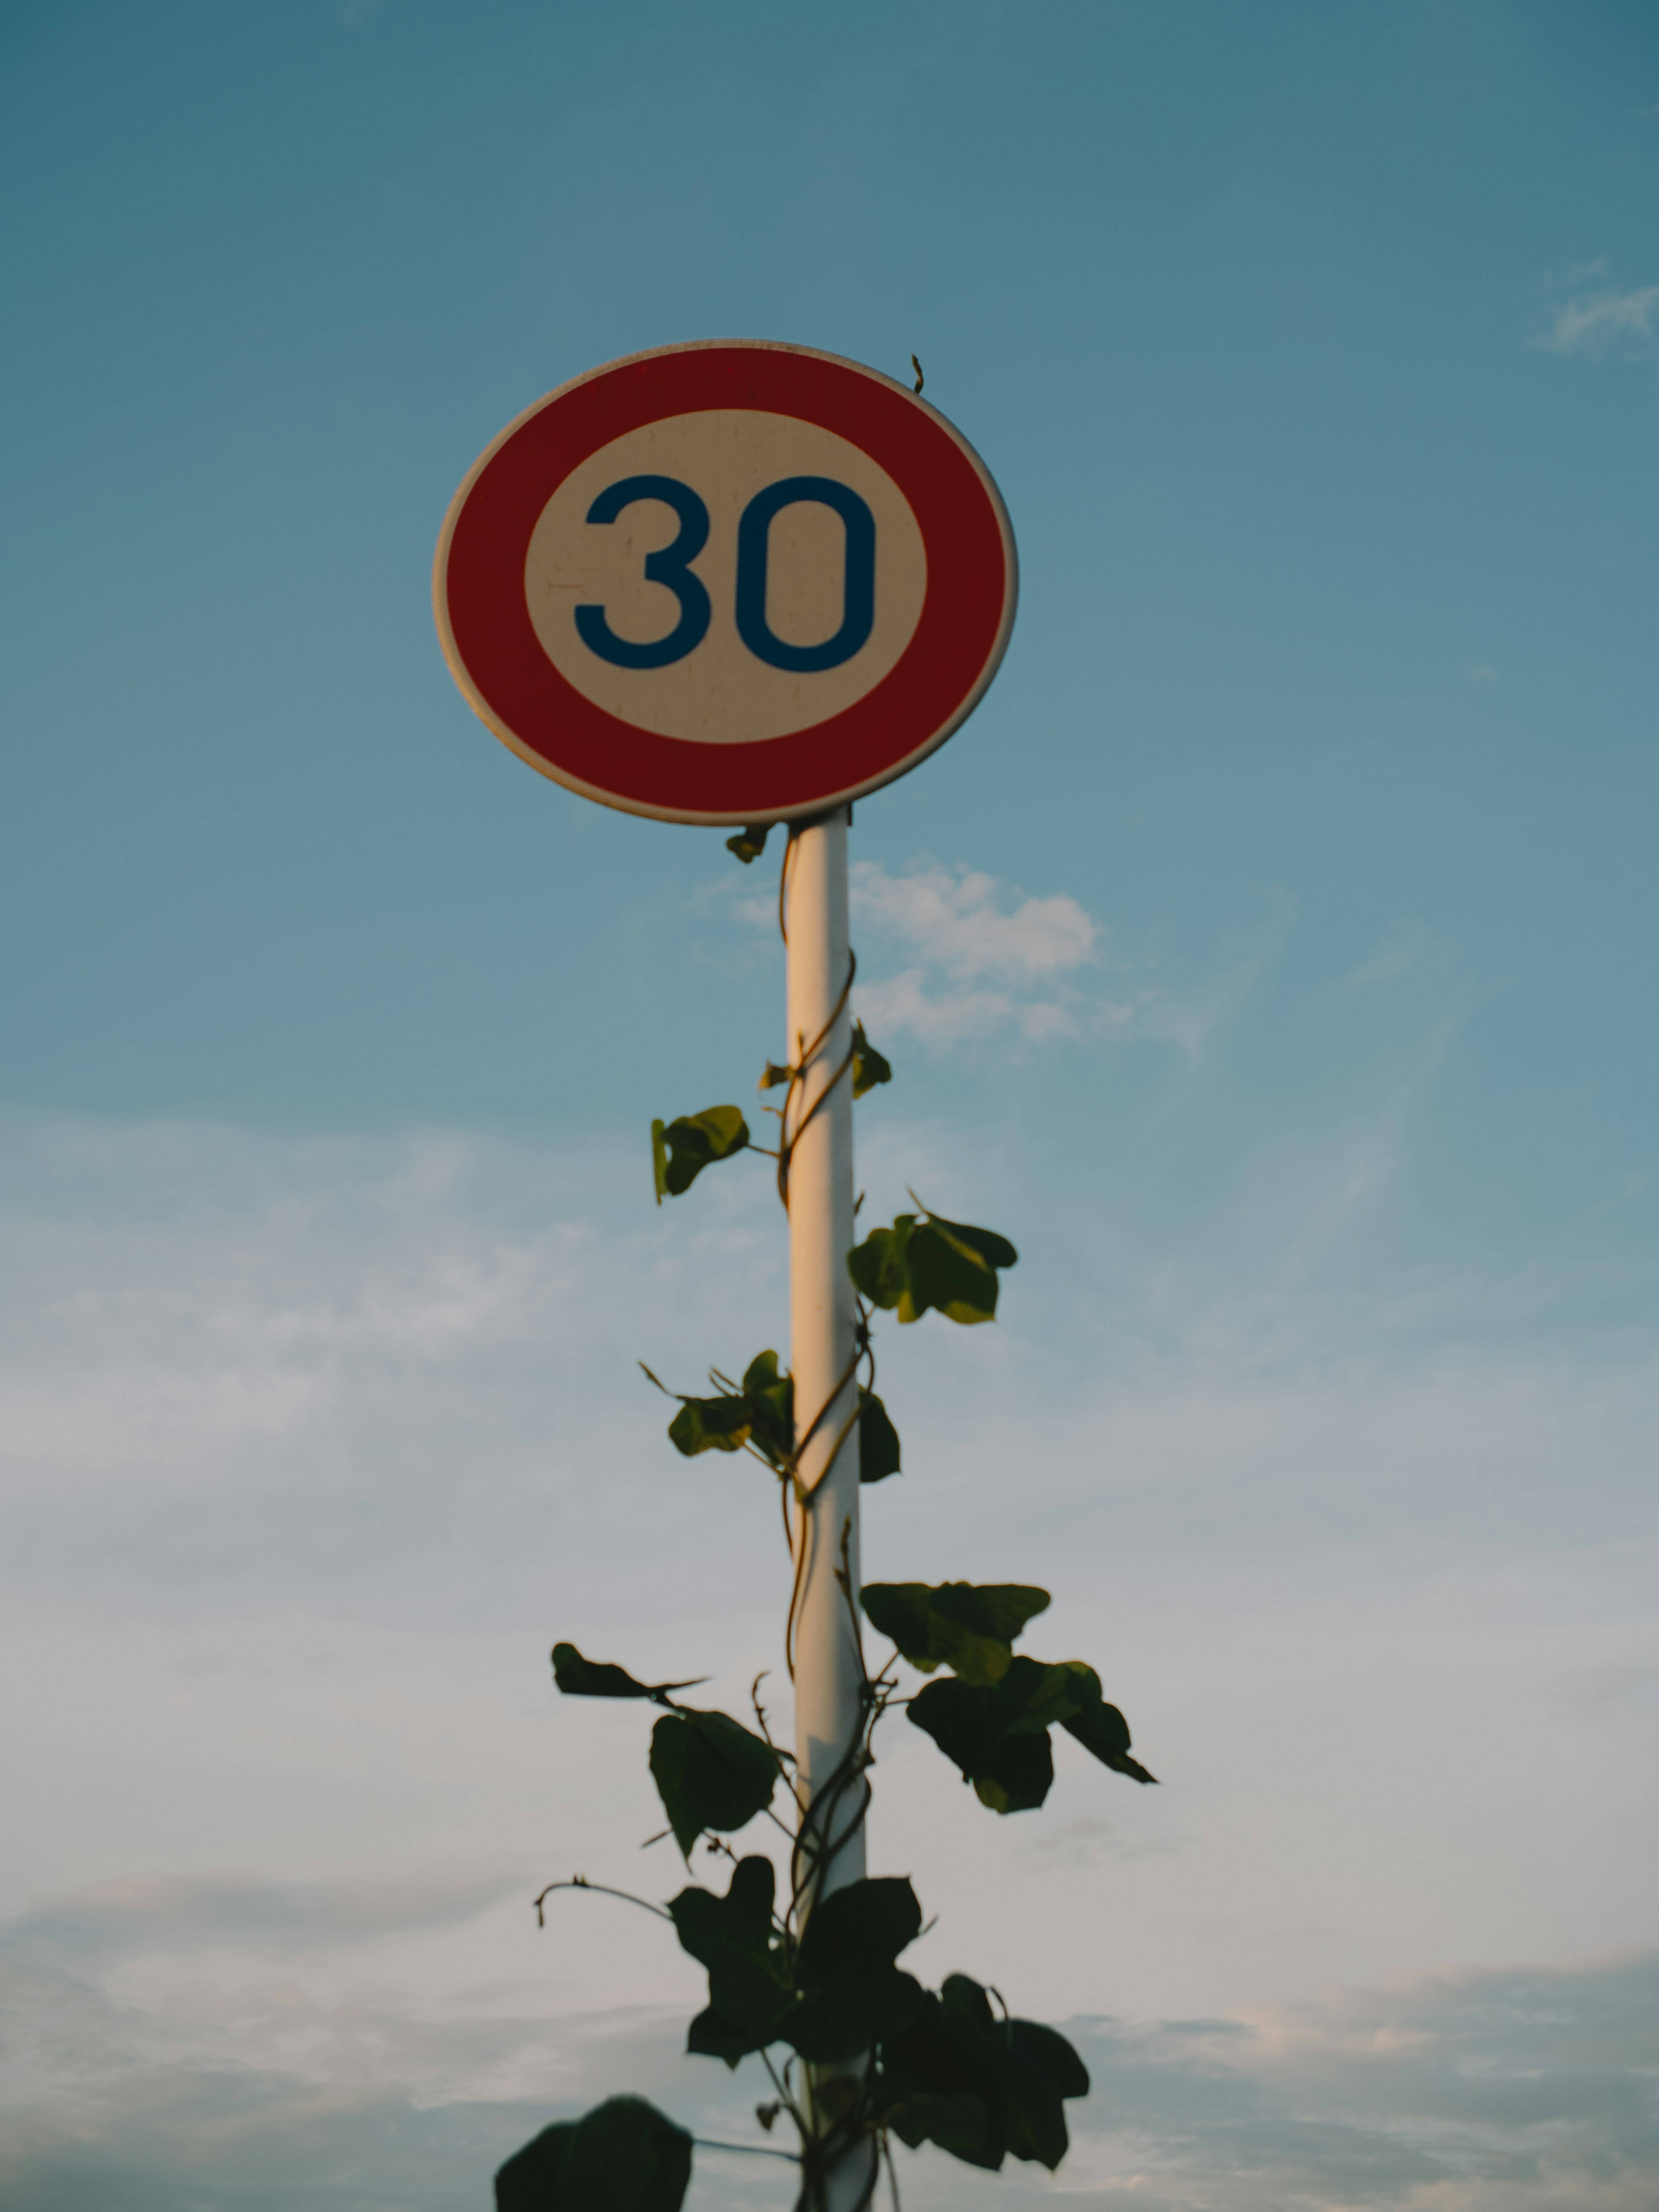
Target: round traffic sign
726	582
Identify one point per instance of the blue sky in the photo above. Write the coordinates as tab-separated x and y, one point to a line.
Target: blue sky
1271	957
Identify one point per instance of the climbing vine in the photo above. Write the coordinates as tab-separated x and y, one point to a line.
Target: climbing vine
855	2049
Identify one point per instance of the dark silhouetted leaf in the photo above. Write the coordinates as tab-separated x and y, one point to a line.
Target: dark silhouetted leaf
733	1936
924	1261
878	1443
1103	1729
681	1149
967	1626
869	1067
623	2156
977	2086
998	1736
709	2036
710	1773
957	2123
862	1924
853	1996
595	1678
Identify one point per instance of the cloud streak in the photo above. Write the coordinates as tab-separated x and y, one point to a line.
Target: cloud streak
1595	323
971	956
1512	2090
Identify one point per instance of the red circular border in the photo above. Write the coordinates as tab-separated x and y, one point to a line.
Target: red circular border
501	664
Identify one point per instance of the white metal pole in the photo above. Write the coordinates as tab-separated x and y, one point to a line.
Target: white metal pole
822	1323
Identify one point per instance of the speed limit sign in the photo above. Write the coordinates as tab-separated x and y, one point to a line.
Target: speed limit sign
726	582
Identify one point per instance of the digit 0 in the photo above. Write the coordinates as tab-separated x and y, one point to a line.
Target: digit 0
857	611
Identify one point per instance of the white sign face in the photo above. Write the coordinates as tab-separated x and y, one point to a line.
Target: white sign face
801	563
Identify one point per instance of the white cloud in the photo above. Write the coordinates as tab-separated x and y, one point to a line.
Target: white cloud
312	1447
1595	322
955	918
976	956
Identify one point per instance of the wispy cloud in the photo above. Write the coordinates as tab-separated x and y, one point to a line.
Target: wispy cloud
1595	323
1514	2090
977	955
178	1913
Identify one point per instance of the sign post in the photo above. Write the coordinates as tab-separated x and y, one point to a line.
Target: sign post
828	1716
745	584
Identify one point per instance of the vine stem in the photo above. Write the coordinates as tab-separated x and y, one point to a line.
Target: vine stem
599	1889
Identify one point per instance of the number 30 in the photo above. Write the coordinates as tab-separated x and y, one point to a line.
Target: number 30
672	566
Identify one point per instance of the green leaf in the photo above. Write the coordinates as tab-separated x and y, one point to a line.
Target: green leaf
623	2156
710	1773
595	1678
762	1413
749	844
703	1425
924	1261
771	1399
967	1626
878	1443
681	1149
733	1936
977	2086
869	1067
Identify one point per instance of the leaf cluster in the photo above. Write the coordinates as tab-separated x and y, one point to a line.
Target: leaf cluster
980	2087
992	1715
712	1775
758	1415
825	1986
939	2067
835	1994
924	1262
681	1149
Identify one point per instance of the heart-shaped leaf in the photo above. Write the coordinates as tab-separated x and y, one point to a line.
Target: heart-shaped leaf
721	1423
771	1400
853	1995
869	1067
681	1149
734	1937
977	2086
879	1441
924	1261
710	1774
998	1735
